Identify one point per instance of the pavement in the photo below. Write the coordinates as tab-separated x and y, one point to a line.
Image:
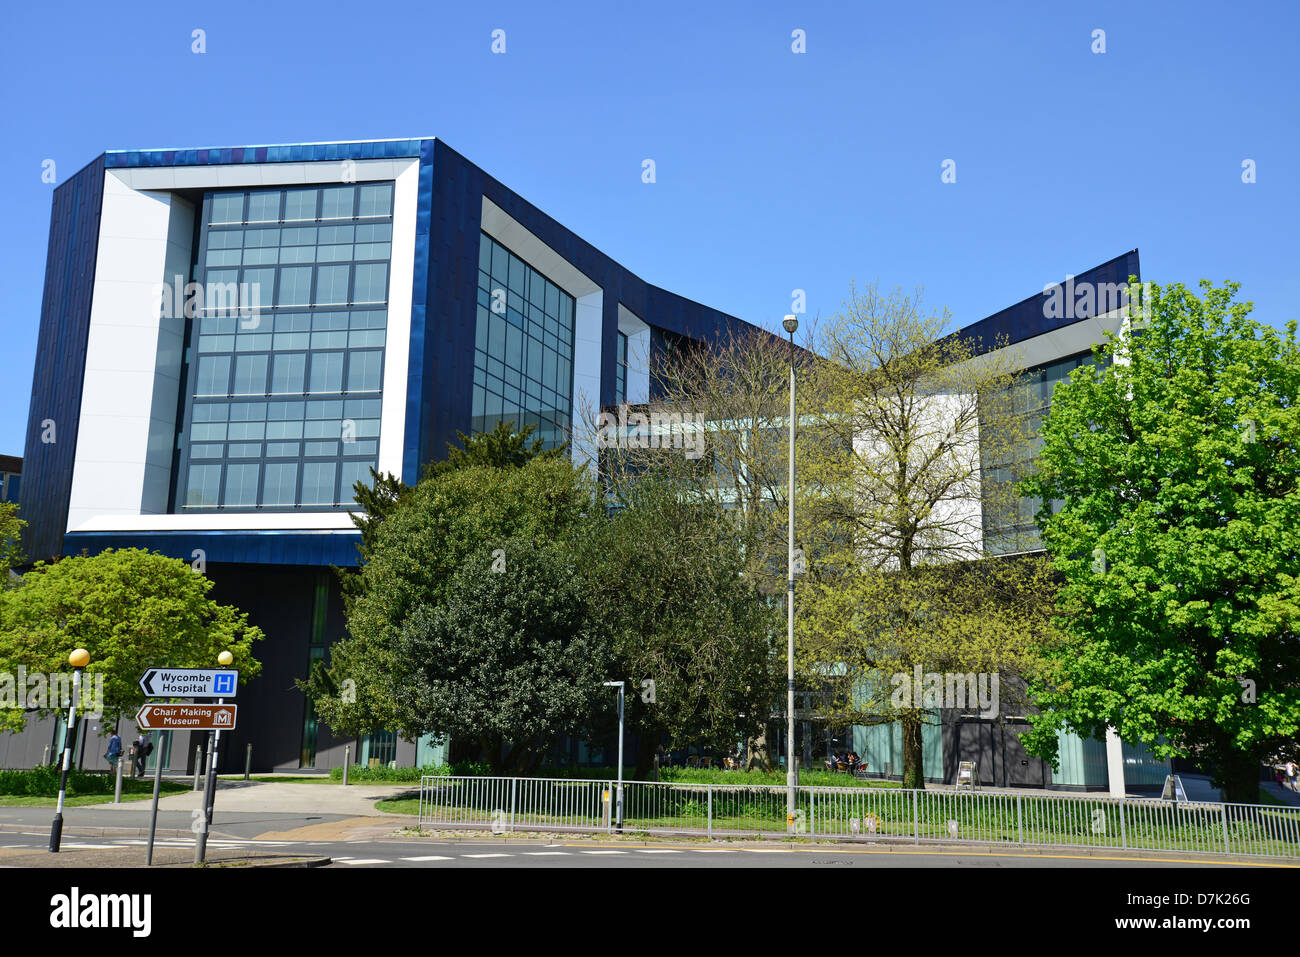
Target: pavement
274	797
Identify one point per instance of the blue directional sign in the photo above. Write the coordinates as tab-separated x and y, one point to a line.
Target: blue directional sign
189	683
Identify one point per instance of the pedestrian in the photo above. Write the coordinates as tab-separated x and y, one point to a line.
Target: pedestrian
143	747
114	753
1290	773
1279	774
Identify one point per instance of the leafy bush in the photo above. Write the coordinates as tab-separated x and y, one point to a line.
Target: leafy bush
43	781
385	774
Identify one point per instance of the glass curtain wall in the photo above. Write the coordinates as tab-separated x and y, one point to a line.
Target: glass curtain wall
285	358
1014	529
523	348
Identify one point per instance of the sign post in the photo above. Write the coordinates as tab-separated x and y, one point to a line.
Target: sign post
195	684
153	817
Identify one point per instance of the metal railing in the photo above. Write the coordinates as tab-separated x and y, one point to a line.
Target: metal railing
864	813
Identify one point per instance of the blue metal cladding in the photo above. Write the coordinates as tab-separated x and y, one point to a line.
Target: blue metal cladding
422	271
442	371
60	360
1029	318
275	547
285	153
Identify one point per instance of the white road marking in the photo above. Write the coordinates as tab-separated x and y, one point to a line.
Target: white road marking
428	857
484	855
650	850
604	852
363	860
547	853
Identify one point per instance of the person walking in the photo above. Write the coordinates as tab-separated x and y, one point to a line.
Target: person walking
114	753
143	747
1290	774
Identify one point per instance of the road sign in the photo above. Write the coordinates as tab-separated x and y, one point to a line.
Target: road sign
186	717
189	683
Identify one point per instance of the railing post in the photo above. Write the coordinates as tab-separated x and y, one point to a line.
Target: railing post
710	787
248	760
1020	823
1223	809
347	762
1123	831
514	783
916	820
812	812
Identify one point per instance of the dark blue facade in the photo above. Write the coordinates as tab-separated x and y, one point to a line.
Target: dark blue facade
443	317
60	360
1028	318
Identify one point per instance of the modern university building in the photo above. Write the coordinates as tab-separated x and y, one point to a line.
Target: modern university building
235	435
342	321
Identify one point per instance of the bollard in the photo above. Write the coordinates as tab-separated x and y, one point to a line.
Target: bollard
45	757
347	762
248	760
198	764
117	788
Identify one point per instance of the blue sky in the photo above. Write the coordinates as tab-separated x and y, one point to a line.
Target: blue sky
775	171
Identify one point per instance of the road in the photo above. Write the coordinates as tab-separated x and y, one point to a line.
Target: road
352	841
399	853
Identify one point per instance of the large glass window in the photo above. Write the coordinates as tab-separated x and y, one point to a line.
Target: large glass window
283	398
620	370
1010	524
523	357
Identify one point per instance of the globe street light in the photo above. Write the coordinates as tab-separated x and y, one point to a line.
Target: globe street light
791	323
78	659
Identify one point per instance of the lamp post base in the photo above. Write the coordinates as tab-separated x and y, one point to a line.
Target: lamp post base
56	833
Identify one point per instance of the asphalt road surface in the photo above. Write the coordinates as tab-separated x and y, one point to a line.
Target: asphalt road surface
391	853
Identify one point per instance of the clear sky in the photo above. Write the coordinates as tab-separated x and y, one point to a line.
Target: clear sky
775	170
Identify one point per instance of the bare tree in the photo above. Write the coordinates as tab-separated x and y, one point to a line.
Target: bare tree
901	418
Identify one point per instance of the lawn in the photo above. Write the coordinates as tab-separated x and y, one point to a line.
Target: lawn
409	806
130	792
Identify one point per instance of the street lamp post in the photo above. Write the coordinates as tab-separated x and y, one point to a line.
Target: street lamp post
78	659
210	786
618	816
791	323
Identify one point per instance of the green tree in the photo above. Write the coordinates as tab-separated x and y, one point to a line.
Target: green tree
132	610
417	550
514	656
332	686
502	448
1177	531
667	571
11	555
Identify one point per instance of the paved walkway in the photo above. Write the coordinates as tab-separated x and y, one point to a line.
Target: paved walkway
279	796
